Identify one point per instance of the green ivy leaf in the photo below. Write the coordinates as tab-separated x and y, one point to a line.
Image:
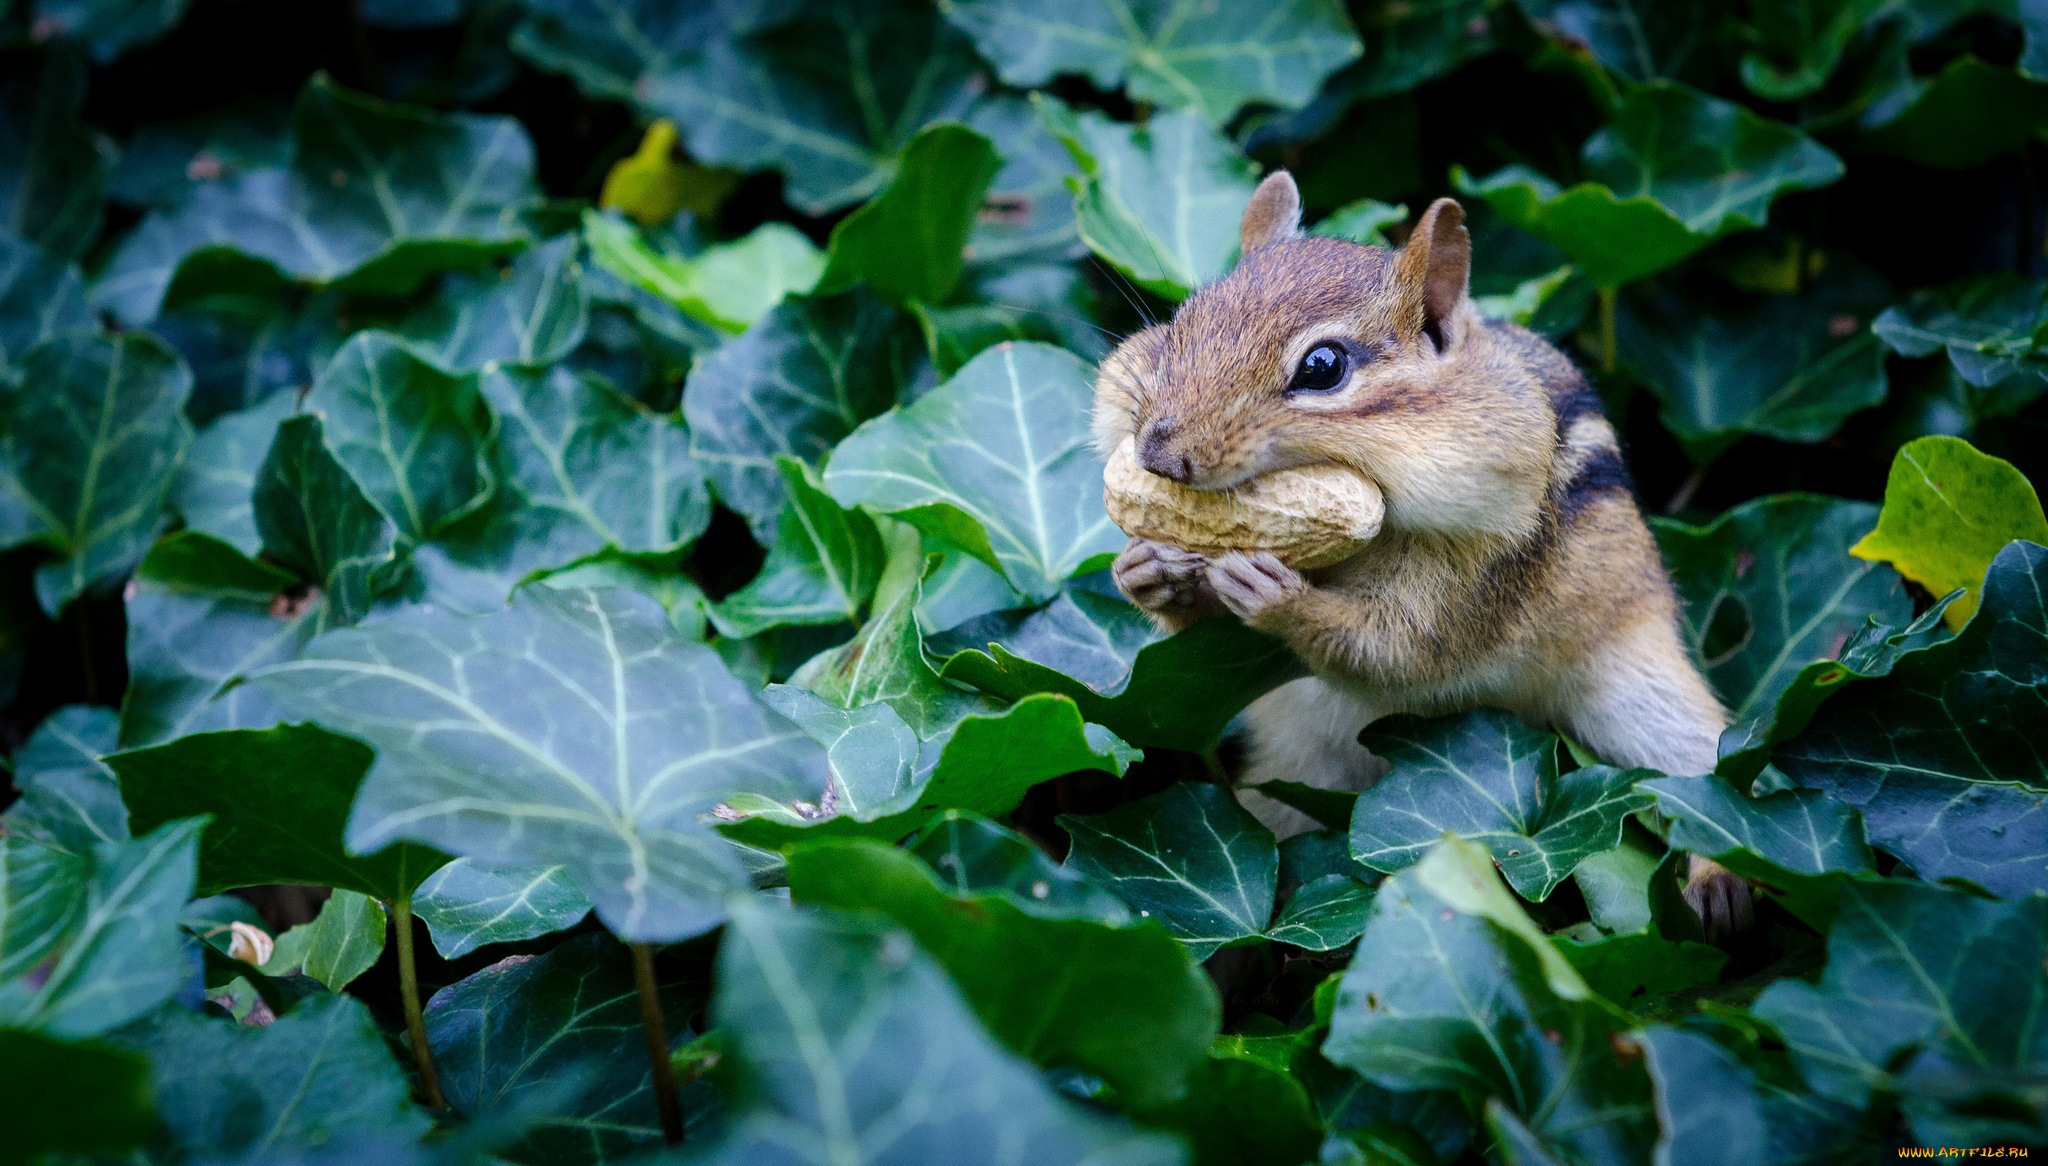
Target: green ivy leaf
54	169
279	799
794	385
488	746
1643	967
534	313
375	198
1790	841
1325	914
609	46
1798	45
908	242
320	1073
1406	44
1029	211
1638	39
466	906
1940	755
111	920
972	856
514	1032
1767	589
995	461
885	662
1178	691
1487	777
1917	974
1674	170
40	296
822	567
1987	324
1454	988
1718	1108
828	96
835	1022
342	942
727	285
1942	123
1145	1026
1239	1109
107	28
68	799
1161	201
215	488
1790	367
1189	857
88	445
1948	511
1051	302
71	1097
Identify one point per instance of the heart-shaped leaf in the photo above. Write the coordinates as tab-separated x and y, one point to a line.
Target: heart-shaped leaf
1488	778
837	1022
828	96
793	385
375	198
1214	59
342	942
1162	201
908	242
572	727
1178	691
535	313
54	169
822	567
68	799
520	1028
1940	756
466	906
40	296
1149	1023
88	445
1673	171
1767	590
996	461
1987	324
279	799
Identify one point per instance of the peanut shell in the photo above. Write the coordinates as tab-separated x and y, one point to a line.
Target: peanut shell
1312	516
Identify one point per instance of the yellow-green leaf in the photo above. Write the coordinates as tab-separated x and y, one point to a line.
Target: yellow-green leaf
1948	510
652	183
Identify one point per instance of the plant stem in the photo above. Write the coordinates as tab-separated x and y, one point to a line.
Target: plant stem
1214	764
409	990
1607	297
665	1096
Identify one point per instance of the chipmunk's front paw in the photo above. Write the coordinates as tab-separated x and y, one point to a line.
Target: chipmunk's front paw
1719	897
1159	577
1255	586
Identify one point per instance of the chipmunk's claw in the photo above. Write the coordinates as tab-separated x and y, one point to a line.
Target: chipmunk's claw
1724	903
1157	576
1255	584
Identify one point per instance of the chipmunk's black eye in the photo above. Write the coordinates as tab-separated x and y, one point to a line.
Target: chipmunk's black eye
1321	370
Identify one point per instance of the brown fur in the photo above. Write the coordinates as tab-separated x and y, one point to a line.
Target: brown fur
1514	569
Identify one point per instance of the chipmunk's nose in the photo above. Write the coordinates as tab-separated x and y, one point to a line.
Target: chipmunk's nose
1154	455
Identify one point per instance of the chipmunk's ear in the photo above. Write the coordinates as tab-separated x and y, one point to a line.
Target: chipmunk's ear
1432	271
1273	215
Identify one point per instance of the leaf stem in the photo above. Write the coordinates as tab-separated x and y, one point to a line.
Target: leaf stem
1607	298
665	1096
409	991
1212	762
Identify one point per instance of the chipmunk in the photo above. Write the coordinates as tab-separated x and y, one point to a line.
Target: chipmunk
1513	569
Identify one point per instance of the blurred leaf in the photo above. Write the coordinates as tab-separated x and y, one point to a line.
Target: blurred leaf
54	169
1143	1027
488	747
1641	967
69	799
411	435
1240	1110
1673	171
375	198
907	243
111	919
107	28
1178	691
244	347
279	800
728	285
1941	755
972	856
559	1032
1798	44
1162	201
1488	778
1211	58
1051	302
794	384
608	46
532	313
1948	511
215	488
1362	222
1721	1109
1448	993
1406	44
1189	857
71	1097
1638	39
342	942
996	461
466	906
1987	323
319	1073
827	97
88	445
1767	589
1787	840
1943	125
1028	211
1916	972
1789	367
40	296
651	185
822	567
848	1041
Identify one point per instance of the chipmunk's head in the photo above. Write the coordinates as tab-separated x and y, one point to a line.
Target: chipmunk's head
1321	351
